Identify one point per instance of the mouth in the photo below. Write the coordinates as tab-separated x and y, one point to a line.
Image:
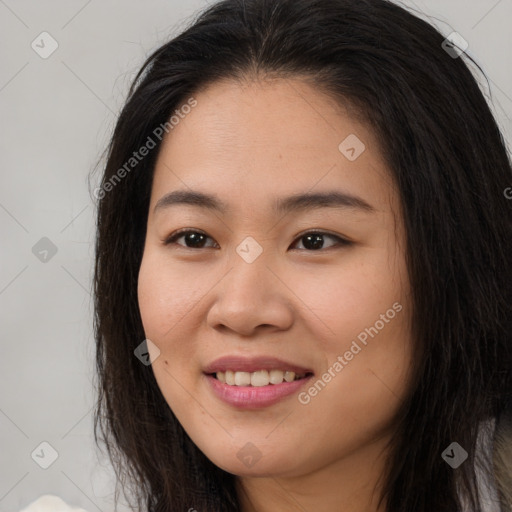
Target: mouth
254	383
258	378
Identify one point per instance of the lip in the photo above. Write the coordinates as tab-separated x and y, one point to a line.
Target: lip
253	397
253	364
250	397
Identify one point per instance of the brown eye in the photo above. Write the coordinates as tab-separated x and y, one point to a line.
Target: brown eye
314	240
193	239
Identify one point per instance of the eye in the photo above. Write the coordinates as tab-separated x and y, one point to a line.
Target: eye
195	238
313	240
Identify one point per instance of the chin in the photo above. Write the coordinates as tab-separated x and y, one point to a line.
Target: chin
252	461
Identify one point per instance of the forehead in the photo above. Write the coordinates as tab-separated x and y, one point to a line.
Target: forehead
256	140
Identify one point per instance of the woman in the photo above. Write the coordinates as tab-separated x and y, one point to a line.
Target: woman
303	285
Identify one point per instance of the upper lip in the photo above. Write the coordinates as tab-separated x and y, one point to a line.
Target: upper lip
253	364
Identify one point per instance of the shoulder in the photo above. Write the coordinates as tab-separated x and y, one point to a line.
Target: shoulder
503	455
49	503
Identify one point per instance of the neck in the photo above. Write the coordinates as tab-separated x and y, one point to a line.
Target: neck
350	484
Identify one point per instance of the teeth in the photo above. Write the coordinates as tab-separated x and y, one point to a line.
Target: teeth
289	376
276	376
242	378
260	378
257	379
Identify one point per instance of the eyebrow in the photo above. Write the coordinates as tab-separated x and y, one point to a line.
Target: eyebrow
296	202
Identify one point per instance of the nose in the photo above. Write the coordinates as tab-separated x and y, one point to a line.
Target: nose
251	297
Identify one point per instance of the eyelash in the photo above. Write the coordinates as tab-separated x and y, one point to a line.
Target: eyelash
342	242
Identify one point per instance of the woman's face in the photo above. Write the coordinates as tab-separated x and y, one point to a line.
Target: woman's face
256	290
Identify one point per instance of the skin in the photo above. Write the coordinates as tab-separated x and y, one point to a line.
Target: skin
249	143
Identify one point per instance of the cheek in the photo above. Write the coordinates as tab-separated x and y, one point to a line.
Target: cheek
358	397
364	307
166	296
165	299
345	299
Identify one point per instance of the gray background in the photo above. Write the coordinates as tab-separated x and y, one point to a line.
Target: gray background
57	114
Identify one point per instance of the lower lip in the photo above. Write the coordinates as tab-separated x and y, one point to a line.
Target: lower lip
254	397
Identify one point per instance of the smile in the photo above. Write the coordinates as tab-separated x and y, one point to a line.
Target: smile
257	379
254	382
248	396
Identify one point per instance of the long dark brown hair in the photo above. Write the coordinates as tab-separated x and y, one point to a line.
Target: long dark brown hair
450	164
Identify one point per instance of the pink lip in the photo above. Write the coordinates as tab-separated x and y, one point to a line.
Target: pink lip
252	364
249	397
